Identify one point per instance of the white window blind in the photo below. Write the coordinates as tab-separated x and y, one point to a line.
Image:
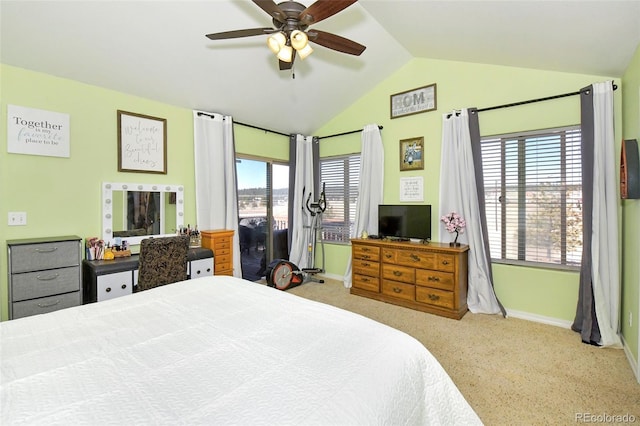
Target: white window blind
533	194
341	177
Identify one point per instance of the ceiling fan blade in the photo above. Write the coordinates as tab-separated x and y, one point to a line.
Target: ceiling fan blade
241	33
336	42
272	9
322	9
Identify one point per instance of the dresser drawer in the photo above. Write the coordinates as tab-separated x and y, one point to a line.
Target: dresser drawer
445	262
437	279
366	267
45	304
366	282
399	290
31	285
114	285
366	253
35	257
434	296
221	244
398	273
416	259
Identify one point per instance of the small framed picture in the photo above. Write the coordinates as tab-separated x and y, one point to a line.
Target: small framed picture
411	154
142	143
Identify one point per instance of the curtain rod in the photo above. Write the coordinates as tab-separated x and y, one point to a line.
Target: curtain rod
564	95
247	125
280	133
345	133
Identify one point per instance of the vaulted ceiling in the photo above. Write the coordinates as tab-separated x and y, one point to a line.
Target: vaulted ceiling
158	49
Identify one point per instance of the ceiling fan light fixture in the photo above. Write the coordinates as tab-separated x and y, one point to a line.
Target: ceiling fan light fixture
299	40
285	54
304	52
276	42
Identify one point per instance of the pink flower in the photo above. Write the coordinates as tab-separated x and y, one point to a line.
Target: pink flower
453	222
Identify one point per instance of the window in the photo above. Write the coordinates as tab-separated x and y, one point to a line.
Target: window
533	194
341	176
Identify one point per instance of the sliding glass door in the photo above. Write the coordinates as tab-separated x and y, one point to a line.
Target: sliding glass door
263	188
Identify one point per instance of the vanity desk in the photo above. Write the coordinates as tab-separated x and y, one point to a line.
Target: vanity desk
108	279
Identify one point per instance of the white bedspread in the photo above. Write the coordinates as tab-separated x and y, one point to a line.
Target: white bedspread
217	351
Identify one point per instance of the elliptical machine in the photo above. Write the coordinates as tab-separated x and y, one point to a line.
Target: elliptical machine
283	274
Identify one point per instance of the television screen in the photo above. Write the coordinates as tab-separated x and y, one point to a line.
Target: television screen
404	221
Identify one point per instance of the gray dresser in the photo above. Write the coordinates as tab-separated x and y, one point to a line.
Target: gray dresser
44	275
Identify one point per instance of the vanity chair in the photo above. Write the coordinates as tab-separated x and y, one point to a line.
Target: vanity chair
162	261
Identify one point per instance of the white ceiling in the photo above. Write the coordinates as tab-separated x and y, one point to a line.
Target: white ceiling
158	49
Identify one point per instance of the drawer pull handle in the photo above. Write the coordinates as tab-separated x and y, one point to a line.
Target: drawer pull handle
366	256
208	269
124	286
365	249
434	278
445	262
47	278
48	305
434	297
397	273
47	250
365	280
397	290
366	264
388	255
415	257
108	289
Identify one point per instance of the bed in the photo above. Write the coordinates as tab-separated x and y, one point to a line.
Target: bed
219	350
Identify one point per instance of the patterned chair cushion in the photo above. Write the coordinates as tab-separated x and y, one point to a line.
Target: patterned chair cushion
162	261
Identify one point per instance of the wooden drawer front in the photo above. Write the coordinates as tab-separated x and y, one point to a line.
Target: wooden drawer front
221	244
446	262
32	285
399	290
366	267
389	255
437	279
366	282
35	257
45	304
114	285
416	259
221	260
434	296
398	273
366	253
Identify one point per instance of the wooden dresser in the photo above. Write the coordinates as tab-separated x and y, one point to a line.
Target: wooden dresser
221	242
426	277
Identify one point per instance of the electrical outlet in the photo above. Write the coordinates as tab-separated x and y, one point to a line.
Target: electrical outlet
17	218
630	319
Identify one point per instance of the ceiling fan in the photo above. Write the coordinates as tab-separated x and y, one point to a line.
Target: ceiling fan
290	35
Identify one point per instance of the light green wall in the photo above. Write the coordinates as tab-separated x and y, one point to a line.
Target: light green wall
631	212
542	292
62	196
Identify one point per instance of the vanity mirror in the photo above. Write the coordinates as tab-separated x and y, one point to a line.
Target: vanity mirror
134	211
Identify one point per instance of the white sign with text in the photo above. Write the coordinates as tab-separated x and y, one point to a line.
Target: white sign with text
37	132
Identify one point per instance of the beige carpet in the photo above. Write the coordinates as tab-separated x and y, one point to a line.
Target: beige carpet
511	371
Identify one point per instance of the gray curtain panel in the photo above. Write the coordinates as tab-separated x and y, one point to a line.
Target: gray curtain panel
474	132
585	321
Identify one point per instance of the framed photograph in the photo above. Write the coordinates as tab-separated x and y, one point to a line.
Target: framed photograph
142	143
414	101
411	154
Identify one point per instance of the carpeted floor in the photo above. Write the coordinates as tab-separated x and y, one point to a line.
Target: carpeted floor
511	371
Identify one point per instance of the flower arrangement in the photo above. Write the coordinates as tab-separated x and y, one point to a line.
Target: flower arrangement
453	222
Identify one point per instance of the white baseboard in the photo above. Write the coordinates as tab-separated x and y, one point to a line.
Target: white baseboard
633	362
539	318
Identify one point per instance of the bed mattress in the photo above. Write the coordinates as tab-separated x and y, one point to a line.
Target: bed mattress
219	350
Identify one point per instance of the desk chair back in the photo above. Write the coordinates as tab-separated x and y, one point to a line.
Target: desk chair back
162	261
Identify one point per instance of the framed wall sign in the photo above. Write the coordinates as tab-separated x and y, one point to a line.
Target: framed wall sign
411	154
414	101
142	143
411	189
37	132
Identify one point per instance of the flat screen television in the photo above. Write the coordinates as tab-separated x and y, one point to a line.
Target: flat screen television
404	221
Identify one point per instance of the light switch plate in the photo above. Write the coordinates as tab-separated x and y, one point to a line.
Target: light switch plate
17	218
